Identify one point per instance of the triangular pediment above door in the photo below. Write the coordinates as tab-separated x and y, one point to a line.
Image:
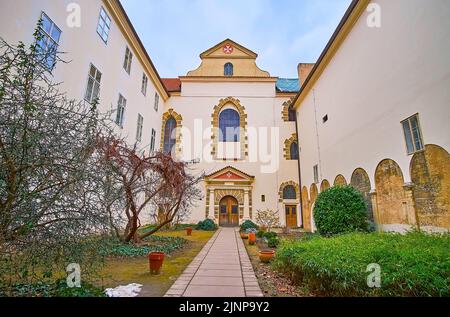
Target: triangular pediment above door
231	174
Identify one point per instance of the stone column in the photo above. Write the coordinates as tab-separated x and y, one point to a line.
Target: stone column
376	215
212	203
413	218
246	204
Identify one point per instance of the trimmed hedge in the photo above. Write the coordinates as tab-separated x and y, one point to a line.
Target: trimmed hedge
415	264
340	209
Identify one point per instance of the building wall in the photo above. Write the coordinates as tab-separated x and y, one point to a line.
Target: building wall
378	78
264	110
83	46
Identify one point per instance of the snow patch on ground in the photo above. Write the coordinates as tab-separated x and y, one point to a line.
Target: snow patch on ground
131	290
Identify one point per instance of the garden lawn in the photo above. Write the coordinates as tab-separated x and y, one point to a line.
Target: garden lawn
415	264
127	270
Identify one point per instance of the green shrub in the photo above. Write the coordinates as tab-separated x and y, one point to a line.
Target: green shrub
248	224
56	289
206	225
273	242
415	264
115	247
260	234
340	210
270	235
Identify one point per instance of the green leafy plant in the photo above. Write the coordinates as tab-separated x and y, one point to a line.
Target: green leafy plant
260	234
116	247
248	224
273	242
415	264
206	225
270	235
58	288
340	210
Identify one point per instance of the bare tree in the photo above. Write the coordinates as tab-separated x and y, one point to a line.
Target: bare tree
268	218
50	180
146	180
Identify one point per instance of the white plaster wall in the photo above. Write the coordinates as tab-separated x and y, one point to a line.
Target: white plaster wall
83	46
379	77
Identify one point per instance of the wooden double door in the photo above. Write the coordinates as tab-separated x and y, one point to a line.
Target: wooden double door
229	212
291	216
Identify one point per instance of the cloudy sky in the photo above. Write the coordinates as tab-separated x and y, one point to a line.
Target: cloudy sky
282	32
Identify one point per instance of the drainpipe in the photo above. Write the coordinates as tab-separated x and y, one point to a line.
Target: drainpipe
299	171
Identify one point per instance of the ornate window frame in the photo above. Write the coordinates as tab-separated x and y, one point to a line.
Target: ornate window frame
285	112
289	183
179	119
216	129
287	146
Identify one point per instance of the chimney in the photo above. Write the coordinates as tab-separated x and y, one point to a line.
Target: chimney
303	71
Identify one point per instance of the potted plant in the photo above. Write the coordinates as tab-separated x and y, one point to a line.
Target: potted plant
156	260
189	231
251	238
244	235
265	256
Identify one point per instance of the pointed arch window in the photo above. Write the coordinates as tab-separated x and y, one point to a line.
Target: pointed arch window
228	69
294	151
289	192
169	135
229	124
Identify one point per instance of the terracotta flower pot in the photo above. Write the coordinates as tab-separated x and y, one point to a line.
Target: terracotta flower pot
156	260
244	235
189	231
251	238
266	255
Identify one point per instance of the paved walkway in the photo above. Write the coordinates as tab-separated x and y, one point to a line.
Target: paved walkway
221	269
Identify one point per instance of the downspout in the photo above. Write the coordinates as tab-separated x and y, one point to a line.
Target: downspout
299	170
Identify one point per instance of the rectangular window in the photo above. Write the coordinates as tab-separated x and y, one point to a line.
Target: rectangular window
127	61
121	105
316	173
144	84
153	141
93	85
413	135
104	25
140	126
156	102
47	42
263	198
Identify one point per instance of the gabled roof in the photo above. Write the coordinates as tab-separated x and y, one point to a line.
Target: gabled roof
206	53
288	85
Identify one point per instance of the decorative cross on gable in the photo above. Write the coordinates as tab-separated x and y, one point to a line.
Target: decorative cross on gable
228	49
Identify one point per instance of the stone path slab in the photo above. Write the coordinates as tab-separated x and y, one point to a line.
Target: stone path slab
221	269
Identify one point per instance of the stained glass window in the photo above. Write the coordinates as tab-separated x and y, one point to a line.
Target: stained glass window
294	151
289	192
229	124
228	69
169	135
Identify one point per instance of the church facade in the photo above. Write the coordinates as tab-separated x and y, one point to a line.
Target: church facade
232	119
373	112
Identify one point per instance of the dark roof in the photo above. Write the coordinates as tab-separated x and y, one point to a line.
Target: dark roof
172	84
288	85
